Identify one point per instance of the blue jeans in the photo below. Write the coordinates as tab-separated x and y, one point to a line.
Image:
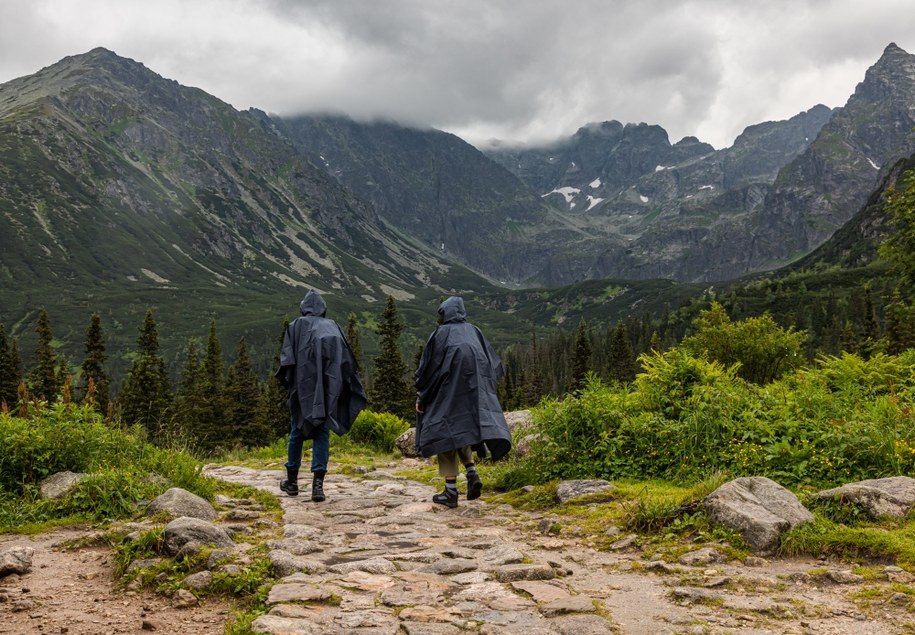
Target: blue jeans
320	448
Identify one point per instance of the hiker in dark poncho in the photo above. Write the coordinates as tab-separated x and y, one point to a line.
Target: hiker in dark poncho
318	369
459	411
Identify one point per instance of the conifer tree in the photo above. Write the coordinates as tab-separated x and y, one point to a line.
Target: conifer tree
273	410
898	319
9	371
94	363
390	391
581	358
64	376
621	361
146	395
43	380
212	426
531	380
242	396
189	397
354	339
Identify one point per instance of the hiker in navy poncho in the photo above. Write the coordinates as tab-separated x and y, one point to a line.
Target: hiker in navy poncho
318	369
456	401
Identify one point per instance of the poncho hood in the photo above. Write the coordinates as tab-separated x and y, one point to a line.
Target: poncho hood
313	304
452	310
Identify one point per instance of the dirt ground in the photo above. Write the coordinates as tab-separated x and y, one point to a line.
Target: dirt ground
73	591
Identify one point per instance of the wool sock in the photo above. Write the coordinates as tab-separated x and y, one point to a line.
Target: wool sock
471	468
451	484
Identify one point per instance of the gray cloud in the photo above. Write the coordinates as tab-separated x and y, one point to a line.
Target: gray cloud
510	69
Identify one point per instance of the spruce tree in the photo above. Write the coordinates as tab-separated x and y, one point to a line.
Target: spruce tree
146	395
9	372
212	427
273	409
190	404
242	396
354	339
94	363
531	378
390	391
43	382
581	358
621	361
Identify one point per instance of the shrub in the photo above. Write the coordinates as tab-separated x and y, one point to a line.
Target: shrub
378	430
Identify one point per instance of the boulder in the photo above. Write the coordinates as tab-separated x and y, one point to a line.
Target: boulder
16	560
757	507
186	530
406	442
519	419
60	484
893	496
179	503
568	490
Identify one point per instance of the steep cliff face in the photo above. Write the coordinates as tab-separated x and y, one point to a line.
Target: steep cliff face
652	209
104	161
820	190
433	186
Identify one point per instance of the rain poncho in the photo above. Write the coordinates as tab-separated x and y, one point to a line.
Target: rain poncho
456	387
318	369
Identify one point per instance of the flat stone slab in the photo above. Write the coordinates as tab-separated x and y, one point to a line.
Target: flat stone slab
513	572
573	604
567	490
541	591
893	496
297	592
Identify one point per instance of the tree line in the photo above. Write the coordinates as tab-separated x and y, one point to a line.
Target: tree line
211	405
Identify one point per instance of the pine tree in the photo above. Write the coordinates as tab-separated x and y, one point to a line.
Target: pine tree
43	382
212	427
581	358
242	395
531	379
354	339
621	361
898	320
189	397
390	391
64	377
9	371
273	409
94	363
146	395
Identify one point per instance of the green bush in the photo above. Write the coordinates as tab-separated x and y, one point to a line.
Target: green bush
123	467
686	418
378	430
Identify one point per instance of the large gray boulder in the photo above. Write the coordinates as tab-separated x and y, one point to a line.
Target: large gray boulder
186	530
406	442
60	484
759	508
519	419
893	496
567	490
179	503
16	560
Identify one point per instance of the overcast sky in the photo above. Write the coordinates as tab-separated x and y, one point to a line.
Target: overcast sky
517	70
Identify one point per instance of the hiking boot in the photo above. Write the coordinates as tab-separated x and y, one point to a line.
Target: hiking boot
474	486
317	487
448	498
290	484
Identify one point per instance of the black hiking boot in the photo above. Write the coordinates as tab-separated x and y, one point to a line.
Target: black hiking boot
448	498
317	487
474	486
290	484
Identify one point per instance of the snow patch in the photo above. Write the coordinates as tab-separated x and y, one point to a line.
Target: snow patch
595	183
593	200
567	192
643	198
873	165
659	168
154	276
706	187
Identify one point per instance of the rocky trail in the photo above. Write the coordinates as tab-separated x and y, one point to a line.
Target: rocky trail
378	557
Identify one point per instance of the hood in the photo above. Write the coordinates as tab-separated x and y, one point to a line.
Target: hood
452	310
313	304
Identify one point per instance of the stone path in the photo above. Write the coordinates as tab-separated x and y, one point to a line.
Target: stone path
378	557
